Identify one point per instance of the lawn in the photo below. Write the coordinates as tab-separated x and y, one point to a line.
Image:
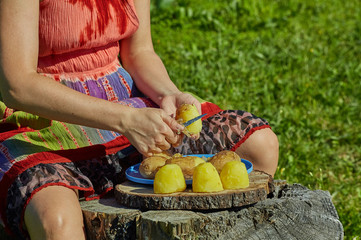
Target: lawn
295	63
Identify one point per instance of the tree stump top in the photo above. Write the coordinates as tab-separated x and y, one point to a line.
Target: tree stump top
141	196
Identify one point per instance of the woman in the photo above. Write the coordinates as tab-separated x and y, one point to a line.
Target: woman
83	114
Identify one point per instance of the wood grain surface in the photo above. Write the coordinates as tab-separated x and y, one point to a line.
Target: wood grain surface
140	196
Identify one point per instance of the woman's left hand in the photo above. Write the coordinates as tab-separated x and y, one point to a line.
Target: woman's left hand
170	103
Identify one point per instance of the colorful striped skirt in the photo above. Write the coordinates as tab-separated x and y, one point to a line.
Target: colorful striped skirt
36	152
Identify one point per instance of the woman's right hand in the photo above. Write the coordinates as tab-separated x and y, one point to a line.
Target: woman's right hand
150	130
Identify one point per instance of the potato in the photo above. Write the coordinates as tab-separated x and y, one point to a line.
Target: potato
234	175
187	164
187	112
149	166
222	158
177	155
164	154
169	179
206	179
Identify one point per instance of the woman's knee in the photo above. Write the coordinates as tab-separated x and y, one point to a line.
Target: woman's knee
262	149
268	140
54	213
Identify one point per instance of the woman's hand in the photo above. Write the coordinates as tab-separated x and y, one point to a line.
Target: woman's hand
151	130
170	103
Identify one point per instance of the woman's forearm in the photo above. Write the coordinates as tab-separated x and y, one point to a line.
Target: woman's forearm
150	75
140	60
47	98
24	89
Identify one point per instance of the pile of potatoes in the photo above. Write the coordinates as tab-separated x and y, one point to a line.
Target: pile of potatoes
224	170
150	166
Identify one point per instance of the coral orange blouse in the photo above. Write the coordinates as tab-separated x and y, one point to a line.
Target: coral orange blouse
84	34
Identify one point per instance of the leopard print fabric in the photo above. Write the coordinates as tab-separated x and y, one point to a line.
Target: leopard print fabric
221	131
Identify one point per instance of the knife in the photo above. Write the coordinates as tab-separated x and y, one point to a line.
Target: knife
189	122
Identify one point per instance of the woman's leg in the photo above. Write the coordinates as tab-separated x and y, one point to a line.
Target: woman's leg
54	213
261	148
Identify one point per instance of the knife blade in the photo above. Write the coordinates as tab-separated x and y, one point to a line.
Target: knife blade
189	122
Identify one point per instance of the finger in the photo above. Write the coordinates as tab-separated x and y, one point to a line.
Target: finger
173	124
179	140
152	151
198	105
172	137
199	108
156	149
164	146
143	150
169	110
190	99
161	142
195	136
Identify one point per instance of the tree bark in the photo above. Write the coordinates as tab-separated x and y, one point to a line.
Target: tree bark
106	220
289	212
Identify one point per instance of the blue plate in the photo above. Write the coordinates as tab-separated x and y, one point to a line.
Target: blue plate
133	174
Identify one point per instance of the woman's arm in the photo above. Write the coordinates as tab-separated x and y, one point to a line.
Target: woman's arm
24	89
147	69
140	60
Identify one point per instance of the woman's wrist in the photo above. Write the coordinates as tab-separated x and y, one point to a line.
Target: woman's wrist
118	117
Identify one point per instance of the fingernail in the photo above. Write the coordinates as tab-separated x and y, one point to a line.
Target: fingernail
180	127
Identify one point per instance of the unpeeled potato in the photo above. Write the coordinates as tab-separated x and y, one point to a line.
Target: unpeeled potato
187	112
150	165
164	154
169	179
187	164
221	158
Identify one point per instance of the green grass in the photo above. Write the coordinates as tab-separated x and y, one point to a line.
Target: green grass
296	63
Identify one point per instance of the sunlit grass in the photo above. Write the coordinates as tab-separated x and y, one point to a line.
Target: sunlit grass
295	63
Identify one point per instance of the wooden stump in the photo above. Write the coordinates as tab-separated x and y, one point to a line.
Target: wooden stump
289	212
105	219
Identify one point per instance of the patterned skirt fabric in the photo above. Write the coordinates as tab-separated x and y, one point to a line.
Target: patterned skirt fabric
36	152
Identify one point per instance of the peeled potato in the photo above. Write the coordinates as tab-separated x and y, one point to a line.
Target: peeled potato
206	179
149	166
221	158
187	112
234	175
169	179
187	164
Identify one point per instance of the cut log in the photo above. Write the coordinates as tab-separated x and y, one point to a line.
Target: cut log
289	212
141	196
106	220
